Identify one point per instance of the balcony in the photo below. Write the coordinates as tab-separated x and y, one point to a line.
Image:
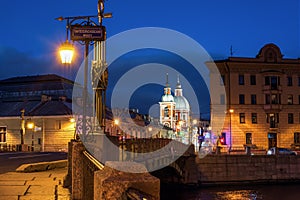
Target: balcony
268	88
274	107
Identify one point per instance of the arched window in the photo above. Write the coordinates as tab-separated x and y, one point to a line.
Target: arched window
166	110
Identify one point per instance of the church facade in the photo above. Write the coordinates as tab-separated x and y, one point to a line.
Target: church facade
175	110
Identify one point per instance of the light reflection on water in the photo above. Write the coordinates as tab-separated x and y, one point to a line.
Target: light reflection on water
242	192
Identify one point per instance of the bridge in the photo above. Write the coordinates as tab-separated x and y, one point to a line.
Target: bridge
170	161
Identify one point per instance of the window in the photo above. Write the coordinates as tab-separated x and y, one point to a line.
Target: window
275	98
252	80
2	134
248	138
166	110
223	138
241	80
274	81
290	118
242	99
289	81
242	118
298	80
267	80
253	98
58	123
222	80
290	99
273	119
297	137
222	99
268	99
254	118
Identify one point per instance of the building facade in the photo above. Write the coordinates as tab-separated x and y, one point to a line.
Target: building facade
262	99
40	108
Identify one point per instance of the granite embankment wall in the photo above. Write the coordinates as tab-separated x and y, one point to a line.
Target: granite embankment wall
225	169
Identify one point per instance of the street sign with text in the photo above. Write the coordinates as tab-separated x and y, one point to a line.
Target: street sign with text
87	33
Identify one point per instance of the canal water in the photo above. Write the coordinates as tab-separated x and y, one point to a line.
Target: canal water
241	192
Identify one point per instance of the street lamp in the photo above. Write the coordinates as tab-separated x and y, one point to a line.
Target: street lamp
66	52
230	113
85	31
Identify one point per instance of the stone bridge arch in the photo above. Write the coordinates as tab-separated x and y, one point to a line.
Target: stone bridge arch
183	170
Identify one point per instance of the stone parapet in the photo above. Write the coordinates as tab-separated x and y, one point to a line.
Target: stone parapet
112	184
218	169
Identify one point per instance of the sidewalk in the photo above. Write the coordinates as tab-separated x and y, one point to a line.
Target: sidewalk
44	185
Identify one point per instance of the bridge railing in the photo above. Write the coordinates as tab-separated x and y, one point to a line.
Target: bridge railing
82	169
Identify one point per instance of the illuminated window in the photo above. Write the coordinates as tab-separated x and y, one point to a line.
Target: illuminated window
297	137
58	124
242	118
290	99
2	134
248	138
223	138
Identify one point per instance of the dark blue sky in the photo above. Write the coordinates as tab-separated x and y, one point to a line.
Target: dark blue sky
30	35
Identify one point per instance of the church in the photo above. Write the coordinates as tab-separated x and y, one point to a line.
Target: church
175	110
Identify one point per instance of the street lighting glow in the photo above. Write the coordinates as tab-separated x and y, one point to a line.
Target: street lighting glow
66	52
30	125
72	120
116	122
231	110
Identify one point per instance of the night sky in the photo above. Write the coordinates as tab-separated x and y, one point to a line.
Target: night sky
30	34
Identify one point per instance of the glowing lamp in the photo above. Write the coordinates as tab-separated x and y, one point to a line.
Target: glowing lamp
116	122
66	52
30	125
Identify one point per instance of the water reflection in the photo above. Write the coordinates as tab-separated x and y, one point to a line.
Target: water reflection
238	195
242	192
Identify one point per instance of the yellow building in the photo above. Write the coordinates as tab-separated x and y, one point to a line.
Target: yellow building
262	99
40	107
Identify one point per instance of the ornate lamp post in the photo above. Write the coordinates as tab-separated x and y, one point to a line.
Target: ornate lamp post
87	32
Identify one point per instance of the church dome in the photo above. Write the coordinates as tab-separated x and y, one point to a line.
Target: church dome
167	98
181	103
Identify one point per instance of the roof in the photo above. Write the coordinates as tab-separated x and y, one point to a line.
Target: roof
36	85
41	95
35	108
181	103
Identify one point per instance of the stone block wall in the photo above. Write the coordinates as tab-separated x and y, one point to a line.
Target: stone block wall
222	169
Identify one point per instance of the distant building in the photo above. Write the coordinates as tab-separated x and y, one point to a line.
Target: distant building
263	95
46	102
175	110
